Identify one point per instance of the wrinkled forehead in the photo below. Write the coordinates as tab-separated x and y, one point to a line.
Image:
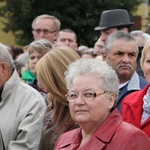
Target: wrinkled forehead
44	23
68	35
124	47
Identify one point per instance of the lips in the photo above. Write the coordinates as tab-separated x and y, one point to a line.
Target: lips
80	111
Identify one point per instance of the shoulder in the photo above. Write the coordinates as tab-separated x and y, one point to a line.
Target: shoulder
134	137
132	96
29	93
135	96
28	88
130	131
70	134
143	82
67	138
28	75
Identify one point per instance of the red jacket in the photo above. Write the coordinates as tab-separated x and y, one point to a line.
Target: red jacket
132	108
112	134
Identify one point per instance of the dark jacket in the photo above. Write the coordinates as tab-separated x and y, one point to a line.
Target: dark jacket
49	134
136	83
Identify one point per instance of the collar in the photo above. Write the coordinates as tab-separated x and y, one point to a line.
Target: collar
134	82
146	106
10	85
123	84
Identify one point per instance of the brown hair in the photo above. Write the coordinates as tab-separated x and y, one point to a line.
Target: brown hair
50	71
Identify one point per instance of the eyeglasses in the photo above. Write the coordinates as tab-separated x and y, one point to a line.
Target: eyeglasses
45	31
87	96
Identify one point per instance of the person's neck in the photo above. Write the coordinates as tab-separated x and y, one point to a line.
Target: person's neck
89	128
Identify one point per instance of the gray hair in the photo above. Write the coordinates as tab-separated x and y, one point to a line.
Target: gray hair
6	57
46	16
104	73
41	46
119	35
145	36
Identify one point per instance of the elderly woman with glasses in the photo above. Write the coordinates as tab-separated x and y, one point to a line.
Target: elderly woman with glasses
92	92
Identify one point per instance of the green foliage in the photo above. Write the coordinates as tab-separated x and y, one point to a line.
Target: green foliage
82	16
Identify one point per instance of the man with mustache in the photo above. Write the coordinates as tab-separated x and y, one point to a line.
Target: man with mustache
121	51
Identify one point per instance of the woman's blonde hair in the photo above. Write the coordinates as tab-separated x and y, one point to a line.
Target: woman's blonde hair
50	71
145	50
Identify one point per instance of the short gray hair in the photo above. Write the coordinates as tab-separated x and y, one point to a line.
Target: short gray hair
6	57
107	77
119	35
145	36
41	46
46	16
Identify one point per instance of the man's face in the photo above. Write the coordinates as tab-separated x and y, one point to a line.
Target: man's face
99	47
106	33
67	38
122	57
45	28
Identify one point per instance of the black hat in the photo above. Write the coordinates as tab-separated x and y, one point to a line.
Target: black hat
114	18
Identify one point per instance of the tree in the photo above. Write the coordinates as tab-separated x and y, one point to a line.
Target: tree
82	16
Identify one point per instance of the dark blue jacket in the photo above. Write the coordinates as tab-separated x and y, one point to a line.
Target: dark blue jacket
135	83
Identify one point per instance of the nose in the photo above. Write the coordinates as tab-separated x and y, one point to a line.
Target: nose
79	100
41	34
126	59
103	37
67	42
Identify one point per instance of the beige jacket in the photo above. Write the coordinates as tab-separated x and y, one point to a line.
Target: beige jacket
21	115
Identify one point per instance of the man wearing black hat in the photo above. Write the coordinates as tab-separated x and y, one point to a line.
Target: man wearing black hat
113	20
121	50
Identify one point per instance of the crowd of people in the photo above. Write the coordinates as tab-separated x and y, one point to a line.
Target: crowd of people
56	94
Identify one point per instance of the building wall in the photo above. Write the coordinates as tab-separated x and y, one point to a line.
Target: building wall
143	13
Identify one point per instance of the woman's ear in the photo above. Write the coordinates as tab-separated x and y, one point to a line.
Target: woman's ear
112	100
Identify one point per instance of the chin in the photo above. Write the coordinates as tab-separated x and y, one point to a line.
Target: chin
81	122
125	73
80	119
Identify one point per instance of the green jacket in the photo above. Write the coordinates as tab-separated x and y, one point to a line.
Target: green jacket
28	77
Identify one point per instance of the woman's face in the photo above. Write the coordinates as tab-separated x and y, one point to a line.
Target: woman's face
93	111
33	59
146	67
